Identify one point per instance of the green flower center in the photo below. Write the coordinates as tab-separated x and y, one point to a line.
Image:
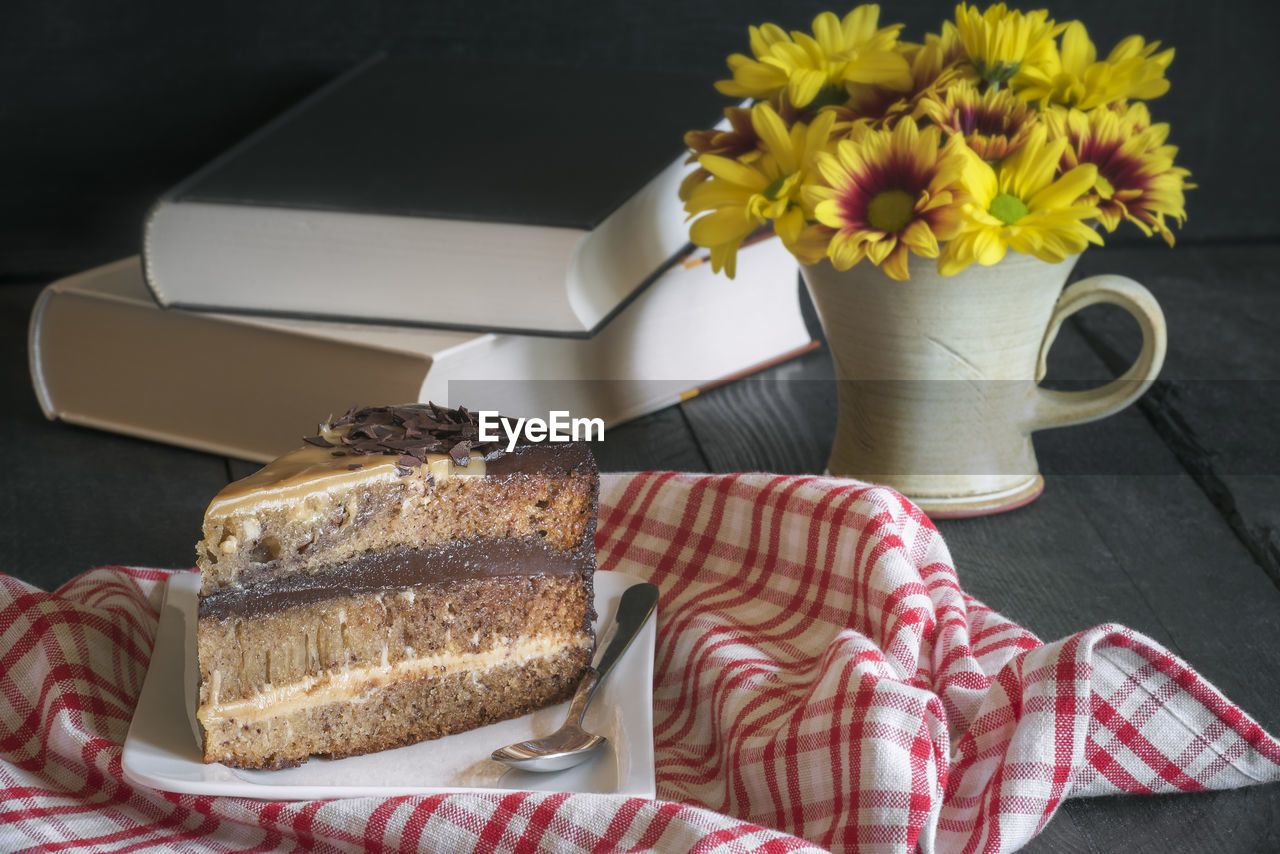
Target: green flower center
891	210
828	96
1008	209
997	73
775	186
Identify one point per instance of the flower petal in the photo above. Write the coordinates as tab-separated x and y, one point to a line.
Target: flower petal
979	179
722	226
773	132
882	68
878	250
895	266
844	252
828	213
733	171
1077	51
921	239
804	85
1064	191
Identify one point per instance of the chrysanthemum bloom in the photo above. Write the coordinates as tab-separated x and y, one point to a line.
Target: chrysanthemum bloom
888	193
933	69
740	197
1074	77
1137	179
1001	43
1022	207
994	123
813	70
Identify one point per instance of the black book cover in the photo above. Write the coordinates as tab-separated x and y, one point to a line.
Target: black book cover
514	144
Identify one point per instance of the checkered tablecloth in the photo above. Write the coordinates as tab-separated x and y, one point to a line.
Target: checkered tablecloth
822	682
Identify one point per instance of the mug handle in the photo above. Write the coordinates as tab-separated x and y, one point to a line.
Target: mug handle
1061	408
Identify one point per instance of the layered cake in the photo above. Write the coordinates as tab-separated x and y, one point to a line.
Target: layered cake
393	580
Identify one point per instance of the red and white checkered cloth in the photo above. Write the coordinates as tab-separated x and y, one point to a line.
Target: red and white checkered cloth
820	676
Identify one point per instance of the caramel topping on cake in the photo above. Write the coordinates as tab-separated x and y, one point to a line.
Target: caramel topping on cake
413	440
309	469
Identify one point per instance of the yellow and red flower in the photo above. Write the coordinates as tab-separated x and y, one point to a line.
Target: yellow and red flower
888	193
994	123
1137	179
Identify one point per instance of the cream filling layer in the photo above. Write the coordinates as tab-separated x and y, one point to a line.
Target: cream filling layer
358	684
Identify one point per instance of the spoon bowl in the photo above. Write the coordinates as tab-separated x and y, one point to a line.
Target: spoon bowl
567	747
571	744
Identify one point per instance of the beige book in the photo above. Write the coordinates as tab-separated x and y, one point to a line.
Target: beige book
104	355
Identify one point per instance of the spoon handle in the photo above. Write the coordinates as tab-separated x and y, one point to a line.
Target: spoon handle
634	608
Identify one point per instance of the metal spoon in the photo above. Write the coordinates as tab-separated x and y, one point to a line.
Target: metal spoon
571	744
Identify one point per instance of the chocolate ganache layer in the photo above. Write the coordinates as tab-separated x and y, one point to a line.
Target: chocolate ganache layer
397	569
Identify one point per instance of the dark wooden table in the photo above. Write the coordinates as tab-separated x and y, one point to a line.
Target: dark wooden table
1165	518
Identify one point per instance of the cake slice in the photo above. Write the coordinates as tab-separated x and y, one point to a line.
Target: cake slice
393	580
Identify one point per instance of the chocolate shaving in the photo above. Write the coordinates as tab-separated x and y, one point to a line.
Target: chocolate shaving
355	466
461	453
410	432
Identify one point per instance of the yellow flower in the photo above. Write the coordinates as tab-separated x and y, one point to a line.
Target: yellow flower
1022	207
1001	43
740	197
817	68
1137	180
994	124
1074	77
888	193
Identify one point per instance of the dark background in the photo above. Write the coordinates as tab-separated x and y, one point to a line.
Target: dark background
107	104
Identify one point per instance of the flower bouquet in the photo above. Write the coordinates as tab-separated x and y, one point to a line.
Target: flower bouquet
1004	131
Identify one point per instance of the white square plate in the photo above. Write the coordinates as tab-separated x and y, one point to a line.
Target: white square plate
162	749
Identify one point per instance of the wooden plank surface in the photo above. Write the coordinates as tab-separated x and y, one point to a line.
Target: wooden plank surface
1218	402
1214	599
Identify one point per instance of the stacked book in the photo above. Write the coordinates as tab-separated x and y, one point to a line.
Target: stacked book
511	241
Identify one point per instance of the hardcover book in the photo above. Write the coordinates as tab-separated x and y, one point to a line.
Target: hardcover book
491	198
104	355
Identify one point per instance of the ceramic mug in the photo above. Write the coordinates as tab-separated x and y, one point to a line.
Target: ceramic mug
938	377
